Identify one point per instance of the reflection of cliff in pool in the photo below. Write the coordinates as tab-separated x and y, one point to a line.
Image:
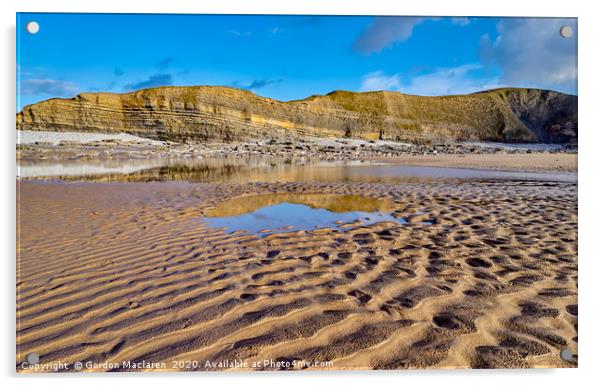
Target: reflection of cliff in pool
331	202
244	170
199	170
179	173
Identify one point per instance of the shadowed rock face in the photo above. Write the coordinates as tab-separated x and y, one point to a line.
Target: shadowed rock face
202	113
551	116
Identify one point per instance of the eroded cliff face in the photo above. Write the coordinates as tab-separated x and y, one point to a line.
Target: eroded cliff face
551	116
202	113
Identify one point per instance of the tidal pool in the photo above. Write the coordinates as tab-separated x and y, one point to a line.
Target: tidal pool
242	170
275	213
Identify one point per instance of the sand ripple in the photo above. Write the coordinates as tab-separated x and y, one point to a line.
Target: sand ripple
130	272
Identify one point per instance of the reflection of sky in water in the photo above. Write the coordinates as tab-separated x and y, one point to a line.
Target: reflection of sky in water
286	217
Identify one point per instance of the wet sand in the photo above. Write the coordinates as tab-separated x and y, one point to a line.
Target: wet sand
113	272
527	162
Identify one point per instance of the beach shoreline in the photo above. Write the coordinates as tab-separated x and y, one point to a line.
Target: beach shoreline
72	148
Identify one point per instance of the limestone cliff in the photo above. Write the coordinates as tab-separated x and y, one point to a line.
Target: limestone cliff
203	113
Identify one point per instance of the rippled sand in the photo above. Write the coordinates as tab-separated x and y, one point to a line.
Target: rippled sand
129	272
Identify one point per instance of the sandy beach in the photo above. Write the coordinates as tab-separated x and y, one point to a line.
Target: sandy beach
132	273
534	161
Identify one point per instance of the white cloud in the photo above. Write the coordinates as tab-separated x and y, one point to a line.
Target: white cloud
446	81
441	81
528	52
376	81
53	87
531	53
384	31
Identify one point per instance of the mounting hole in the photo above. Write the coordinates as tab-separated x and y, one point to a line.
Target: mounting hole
32	27
566	354
566	31
32	358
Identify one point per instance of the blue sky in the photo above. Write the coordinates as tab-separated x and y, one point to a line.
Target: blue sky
290	57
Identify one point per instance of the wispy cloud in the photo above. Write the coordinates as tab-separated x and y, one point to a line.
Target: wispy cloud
53	87
258	84
378	81
165	62
384	31
460	21
440	81
152	81
239	33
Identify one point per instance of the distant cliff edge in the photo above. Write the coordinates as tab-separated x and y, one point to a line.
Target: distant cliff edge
222	114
